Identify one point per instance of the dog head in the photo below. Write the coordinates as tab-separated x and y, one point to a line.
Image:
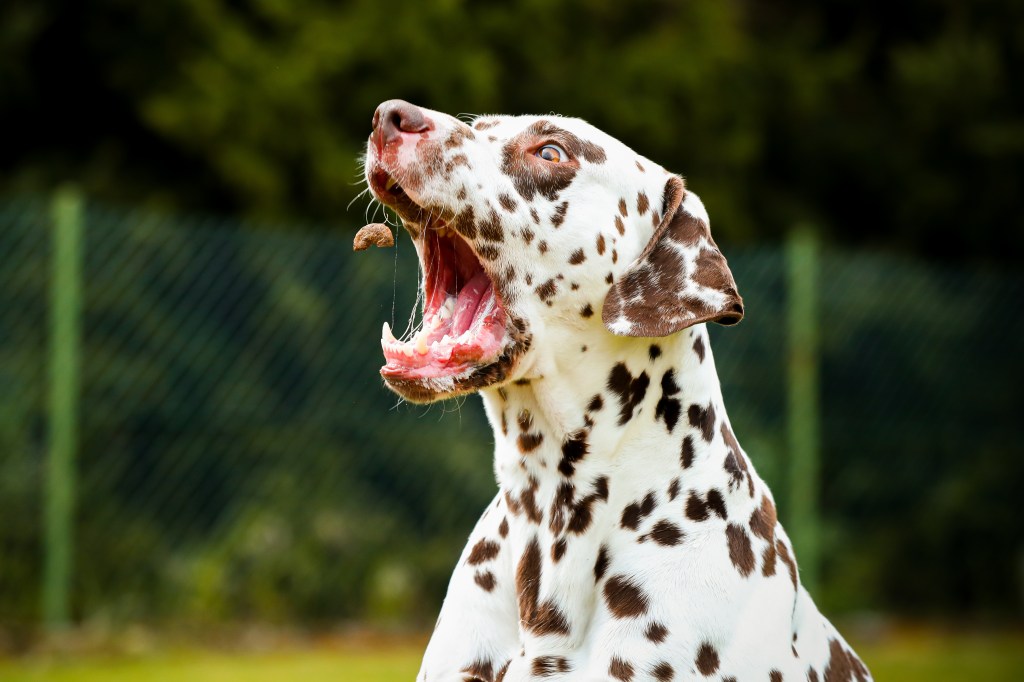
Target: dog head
532	230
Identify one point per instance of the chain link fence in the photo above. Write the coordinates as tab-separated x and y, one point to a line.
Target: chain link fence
237	458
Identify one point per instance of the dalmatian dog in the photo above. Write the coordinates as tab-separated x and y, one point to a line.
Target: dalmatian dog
568	281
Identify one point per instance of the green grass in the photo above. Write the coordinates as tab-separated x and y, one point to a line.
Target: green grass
902	658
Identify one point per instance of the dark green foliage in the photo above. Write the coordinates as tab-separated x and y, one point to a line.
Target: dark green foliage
886	123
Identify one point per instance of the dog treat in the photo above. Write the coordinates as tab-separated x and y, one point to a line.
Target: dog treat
374	233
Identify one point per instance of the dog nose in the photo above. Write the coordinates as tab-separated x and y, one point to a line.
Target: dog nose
397	116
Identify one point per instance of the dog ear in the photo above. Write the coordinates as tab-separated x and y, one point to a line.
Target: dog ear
681	278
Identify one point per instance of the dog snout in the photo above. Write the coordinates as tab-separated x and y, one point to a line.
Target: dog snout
395	117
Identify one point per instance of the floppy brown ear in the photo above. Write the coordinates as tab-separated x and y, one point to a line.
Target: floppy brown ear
681	278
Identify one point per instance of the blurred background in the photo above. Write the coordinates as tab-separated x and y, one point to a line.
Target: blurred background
201	475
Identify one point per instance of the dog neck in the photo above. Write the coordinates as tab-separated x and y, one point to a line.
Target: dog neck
620	404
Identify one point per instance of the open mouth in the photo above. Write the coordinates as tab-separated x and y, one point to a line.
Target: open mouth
464	322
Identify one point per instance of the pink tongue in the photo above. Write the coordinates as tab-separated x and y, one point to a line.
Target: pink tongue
467	303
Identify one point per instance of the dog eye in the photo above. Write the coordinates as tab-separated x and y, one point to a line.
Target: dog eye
552	153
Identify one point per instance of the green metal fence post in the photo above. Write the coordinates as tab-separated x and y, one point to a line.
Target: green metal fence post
65	338
803	413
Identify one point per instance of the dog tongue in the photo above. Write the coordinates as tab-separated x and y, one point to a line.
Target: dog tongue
468	301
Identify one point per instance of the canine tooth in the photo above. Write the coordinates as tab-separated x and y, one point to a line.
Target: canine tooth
421	344
385	333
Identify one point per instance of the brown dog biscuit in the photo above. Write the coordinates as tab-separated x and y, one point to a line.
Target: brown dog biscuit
374	233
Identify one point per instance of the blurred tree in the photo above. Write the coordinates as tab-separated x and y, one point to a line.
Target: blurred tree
890	124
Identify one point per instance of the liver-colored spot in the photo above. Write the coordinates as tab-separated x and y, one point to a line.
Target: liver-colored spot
577	257
620	669
656	632
624	598
485	580
703	418
707	659
666	533
663	672
740	552
485	550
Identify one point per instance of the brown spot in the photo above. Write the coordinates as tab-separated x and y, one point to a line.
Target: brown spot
525	420
654	352
615	256
639	167
775	676
595	404
736	462
542	246
558	549
501	671
620	669
577	257
655	219
787	559
461	196
485	550
642	203
740	553
480	669
507	202
600	244
546	666
812	675
666	533
484	125
485	580
663	672
620	226
527	235
541	619
630	390
574	449
490	228
696	508
582	512
762	521
656	632
635	512
528	442
547	289
703	418
843	665
668	408
622	208
586	311
534	216
488	251
673	489
609	278
601	565
503	528
698	347
559	215
716	503
687	453
707	659
624	598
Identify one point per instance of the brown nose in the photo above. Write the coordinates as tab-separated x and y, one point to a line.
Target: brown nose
397	116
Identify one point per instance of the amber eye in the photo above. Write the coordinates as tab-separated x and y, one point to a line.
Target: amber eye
552	153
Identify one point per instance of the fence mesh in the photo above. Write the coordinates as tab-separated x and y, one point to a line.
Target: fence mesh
238	459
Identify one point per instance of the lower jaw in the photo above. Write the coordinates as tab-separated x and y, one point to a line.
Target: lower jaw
423	387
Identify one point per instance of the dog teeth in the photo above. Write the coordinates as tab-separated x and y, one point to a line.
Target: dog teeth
421	344
385	334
